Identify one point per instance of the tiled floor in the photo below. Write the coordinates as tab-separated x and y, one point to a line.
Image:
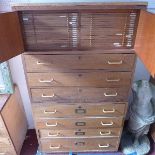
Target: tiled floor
30	146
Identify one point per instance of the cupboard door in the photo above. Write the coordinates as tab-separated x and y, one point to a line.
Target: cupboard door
145	40
11	43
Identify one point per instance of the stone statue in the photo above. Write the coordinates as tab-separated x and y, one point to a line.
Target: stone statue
142	114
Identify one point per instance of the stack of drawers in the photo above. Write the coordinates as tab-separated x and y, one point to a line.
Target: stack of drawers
79	101
79	67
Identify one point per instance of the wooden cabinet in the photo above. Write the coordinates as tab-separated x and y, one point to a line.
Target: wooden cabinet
79	61
13	124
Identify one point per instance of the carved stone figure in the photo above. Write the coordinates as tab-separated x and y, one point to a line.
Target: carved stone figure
142	114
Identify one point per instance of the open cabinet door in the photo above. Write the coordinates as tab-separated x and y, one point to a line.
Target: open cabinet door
11	42
145	40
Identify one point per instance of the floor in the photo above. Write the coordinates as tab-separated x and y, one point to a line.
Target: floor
30	145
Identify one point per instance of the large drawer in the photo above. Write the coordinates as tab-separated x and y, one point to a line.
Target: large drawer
80	94
77	133
78	123
45	110
92	78
79	145
46	63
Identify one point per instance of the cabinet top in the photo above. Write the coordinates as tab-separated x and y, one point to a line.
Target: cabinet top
85	5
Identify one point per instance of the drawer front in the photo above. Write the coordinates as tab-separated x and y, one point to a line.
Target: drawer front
80	123
77	133
73	94
77	110
45	63
94	79
80	144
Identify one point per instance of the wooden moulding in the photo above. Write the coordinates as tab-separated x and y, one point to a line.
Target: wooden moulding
75	6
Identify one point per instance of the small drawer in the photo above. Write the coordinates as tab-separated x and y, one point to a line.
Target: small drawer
80	94
77	133
45	110
46	63
79	145
91	78
79	123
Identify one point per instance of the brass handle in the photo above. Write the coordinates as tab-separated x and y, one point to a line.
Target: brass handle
115	62
105	133
46	81
79	133
109	111
50	112
107	124
103	146
50	125
48	96
53	135
108	95
55	147
112	80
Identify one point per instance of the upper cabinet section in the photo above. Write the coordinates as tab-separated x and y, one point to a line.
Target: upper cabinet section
11	42
79	30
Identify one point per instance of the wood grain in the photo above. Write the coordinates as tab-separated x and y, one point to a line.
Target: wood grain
79	94
48	110
144	45
46	63
79	133
10	36
80	144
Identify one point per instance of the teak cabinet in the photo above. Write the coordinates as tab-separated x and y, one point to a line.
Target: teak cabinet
79	61
13	124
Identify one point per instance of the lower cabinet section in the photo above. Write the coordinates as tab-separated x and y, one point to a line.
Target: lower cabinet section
79	144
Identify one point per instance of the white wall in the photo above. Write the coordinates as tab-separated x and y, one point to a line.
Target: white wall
17	67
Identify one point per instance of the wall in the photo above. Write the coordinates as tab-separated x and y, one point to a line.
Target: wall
17	67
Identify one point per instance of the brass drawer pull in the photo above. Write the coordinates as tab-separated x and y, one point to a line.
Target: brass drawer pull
46	81
109	111
80	123
108	95
55	147
115	62
50	125
113	80
53	135
50	112
105	133
107	124
48	96
103	146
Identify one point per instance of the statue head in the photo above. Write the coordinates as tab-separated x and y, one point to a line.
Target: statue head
142	90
